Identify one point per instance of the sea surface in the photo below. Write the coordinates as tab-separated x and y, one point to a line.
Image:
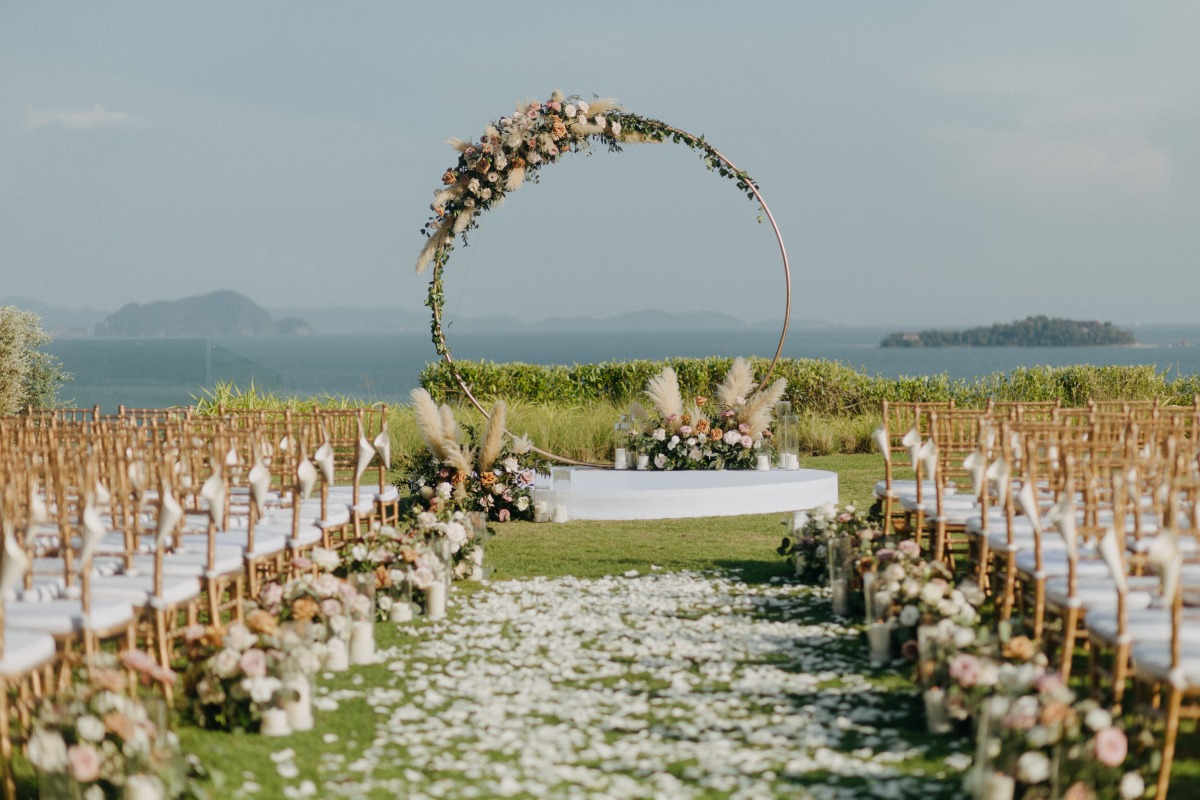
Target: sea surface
161	372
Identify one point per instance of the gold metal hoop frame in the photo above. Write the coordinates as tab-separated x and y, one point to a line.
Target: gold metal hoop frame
511	151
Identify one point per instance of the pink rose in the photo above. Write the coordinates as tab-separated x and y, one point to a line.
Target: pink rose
747	441
83	763
1111	747
331	607
504	515
685	430
743	428
254	663
909	548
964	668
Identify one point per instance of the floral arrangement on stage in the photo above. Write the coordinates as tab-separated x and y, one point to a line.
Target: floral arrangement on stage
94	740
729	432
493	474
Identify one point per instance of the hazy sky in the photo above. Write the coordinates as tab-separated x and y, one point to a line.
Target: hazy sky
929	163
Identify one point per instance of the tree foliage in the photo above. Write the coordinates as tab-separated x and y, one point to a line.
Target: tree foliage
27	375
1037	331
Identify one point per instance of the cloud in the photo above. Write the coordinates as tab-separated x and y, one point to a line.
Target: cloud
79	119
1053	127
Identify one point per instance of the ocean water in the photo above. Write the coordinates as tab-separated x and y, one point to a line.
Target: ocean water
154	373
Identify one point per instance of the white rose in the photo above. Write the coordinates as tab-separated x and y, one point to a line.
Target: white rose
90	728
733	437
522	503
931	593
569	111
1132	786
909	616
660	460
444	490
1033	767
660	434
671	445
616	128
1098	719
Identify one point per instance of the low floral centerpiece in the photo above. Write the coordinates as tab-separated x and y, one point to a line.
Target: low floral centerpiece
728	432
494	474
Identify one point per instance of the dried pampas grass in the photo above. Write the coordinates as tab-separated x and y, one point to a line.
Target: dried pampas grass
586	128
663	391
761	407
429	422
451	436
602	106
432	245
444	196
493	438
739	382
463	220
516	176
636	137
458	144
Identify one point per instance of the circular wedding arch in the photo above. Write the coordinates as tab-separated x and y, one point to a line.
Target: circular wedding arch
511	151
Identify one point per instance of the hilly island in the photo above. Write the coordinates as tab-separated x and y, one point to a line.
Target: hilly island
1029	332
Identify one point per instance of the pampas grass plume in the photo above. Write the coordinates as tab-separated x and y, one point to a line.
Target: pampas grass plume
458	144
493	437
429	422
516	176
432	245
663	391
739	382
463	220
760	408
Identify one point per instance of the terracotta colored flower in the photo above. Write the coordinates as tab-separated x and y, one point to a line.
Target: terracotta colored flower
701	401
702	425
518	162
119	725
1079	791
1055	713
409	556
715	434
448	177
304	608
483	166
558	130
1021	648
383	577
686	419
487	478
260	621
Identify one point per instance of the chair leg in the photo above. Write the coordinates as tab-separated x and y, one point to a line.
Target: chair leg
1070	631
1174	706
1120	673
10	785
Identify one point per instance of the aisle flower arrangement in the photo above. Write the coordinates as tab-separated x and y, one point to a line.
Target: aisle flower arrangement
809	546
236	673
494	473
95	741
730	431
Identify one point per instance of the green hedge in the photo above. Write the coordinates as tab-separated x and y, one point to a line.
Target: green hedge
814	385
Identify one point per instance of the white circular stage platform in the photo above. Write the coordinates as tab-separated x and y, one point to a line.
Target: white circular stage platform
631	494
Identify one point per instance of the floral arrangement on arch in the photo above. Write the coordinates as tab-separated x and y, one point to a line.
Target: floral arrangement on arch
729	433
494	474
95	741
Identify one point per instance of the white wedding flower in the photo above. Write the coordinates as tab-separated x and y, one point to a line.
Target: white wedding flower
660	460
239	637
1033	767
1098	719
225	663
732	437
456	535
964	637
444	490
931	593
261	690
47	751
326	560
616	128
909	616
583	107
1133	785
511	464
695	454
671	445
522	503
569	111
473	186
660	434
89	728
359	552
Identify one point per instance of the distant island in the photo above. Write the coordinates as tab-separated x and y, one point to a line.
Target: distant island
1029	332
223	313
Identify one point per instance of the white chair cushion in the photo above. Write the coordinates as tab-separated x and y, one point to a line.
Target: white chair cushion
1153	660
25	651
62	617
909	487
1143	625
390	494
305	535
1101	593
138	590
